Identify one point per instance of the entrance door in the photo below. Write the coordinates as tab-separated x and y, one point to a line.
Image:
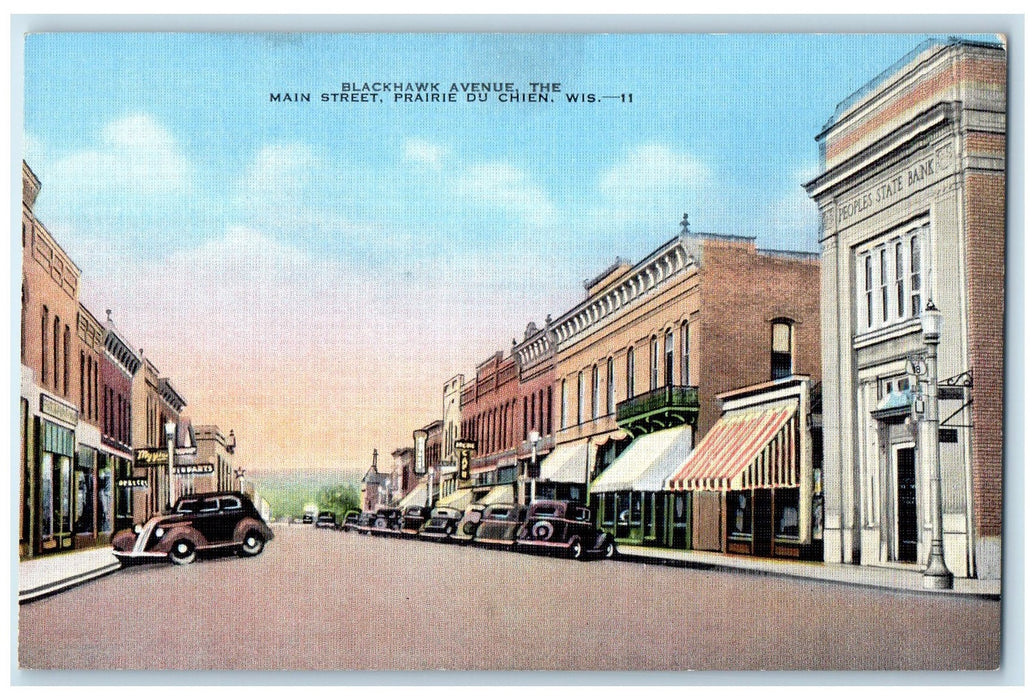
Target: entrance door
905	461
762	519
680	516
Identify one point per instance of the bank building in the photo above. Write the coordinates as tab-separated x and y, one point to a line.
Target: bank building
912	200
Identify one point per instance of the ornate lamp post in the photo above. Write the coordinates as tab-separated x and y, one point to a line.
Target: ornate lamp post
937	576
170	437
533	437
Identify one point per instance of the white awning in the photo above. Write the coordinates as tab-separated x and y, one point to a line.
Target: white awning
417	497
647	462
459	499
566	464
504	493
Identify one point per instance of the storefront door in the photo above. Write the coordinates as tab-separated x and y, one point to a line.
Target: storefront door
55	494
762	517
680	520
905	471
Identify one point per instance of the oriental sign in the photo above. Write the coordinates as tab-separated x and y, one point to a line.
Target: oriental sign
895	188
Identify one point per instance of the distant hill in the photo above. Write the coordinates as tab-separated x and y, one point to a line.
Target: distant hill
289	490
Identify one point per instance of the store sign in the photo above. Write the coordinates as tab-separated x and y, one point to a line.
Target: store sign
464	448
948	435
131	483
151	457
895	188
56	409
420	439
194	469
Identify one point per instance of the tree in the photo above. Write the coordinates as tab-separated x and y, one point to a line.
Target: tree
340	498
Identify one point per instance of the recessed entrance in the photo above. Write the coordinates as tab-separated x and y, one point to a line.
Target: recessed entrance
905	468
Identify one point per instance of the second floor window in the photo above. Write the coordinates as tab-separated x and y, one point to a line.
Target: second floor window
890	278
684	343
781	350
630	374
610	386
654	350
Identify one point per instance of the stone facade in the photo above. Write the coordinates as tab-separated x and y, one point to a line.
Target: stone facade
912	202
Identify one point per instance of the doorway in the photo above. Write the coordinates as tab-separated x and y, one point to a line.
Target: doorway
905	473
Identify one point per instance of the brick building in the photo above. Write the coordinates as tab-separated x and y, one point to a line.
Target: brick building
119	363
155	405
216	451
913	207
648	351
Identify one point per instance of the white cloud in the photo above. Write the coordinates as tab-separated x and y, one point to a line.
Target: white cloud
281	172
135	156
507	187
791	220
424	152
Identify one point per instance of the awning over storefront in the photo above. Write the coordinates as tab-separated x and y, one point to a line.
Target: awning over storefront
504	493
566	464
895	405
745	449
645	463
459	499
417	497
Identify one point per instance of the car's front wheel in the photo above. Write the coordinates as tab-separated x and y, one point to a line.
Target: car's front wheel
182	552
252	544
609	549
576	548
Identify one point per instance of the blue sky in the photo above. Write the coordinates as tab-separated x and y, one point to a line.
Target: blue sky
345	240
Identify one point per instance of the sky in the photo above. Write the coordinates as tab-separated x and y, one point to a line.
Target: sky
311	273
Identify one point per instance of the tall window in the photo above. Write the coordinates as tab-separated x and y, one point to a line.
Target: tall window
610	386
914	275
581	397
549	410
65	343
24	299
900	282
564	404
595	394
654	362
883	286
780	359
630	374
44	323
684	343
57	350
82	381
670	359
869	291
891	277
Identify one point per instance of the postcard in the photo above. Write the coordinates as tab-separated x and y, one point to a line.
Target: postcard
511	351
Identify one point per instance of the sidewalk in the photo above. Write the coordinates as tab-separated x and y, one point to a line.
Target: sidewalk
49	574
901	578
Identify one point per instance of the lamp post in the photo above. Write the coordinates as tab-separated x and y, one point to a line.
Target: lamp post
170	436
239	473
937	575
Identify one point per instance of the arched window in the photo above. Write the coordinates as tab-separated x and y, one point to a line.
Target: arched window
549	410
670	359
630	374
781	356
610	386
580	415
684	342
57	350
564	404
594	393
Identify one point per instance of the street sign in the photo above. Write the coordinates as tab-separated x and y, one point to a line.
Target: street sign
916	364
465	444
464	472
151	457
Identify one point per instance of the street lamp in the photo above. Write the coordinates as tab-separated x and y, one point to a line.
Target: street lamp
239	473
937	575
170	436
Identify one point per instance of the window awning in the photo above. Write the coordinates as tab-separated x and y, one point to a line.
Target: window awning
459	499
504	493
417	497
645	463
566	464
745	449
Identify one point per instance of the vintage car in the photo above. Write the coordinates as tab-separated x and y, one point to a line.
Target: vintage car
500	524
469	523
387	521
365	523
199	523
412	519
326	519
350	521
442	524
563	527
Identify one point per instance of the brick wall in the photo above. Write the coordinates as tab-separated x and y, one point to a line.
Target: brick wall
984	195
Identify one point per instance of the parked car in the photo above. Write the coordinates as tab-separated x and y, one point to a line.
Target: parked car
469	523
365	523
326	519
307	519
387	521
442	525
198	523
500	524
563	526
412	519
349	522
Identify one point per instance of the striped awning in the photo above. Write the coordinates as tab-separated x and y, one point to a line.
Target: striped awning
746	449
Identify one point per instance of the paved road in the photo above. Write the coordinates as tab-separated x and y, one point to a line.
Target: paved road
327	600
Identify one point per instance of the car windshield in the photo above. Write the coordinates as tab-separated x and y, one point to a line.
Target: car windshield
546	509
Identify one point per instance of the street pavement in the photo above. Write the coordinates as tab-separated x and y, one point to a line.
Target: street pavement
328	600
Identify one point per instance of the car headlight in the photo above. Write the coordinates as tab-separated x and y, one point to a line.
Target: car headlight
159	533
138	528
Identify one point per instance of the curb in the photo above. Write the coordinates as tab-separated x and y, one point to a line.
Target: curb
31	594
728	568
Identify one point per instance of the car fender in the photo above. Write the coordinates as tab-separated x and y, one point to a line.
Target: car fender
123	541
180	532
247	524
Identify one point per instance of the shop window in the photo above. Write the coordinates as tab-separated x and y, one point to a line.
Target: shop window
636	510
507	475
786	514
624	513
124	495
609	508
781	356
84	493
738	505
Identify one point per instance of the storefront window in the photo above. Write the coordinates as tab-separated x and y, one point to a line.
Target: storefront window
46	495
609	508
62	494
739	509
84	494
623	508
104	495
124	495
786	512
636	509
